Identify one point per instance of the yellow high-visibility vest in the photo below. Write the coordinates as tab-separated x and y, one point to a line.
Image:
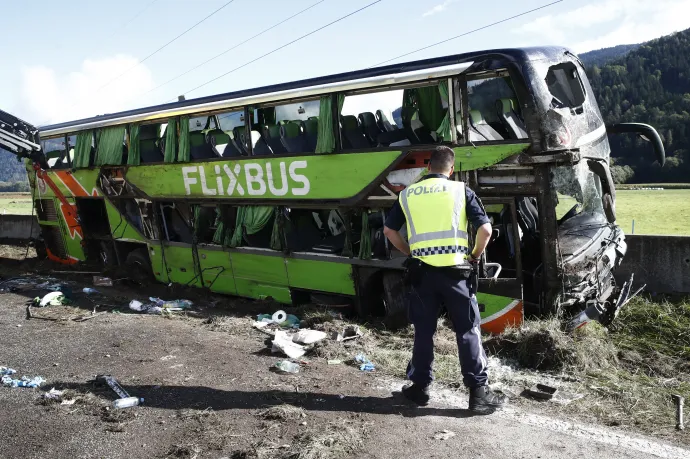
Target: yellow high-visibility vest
435	210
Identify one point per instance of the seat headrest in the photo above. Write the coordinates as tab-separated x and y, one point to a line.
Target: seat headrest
408	114
476	117
349	122
311	125
273	131
505	105
291	129
367	119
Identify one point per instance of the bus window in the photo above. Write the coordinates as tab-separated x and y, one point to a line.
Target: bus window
494	112
202	123
394	118
285	129
565	86
56	153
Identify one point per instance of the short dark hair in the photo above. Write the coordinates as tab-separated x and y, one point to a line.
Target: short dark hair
442	159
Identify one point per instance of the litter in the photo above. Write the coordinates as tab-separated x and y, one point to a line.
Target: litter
279	318
285	366
158	306
25	381
349	333
365	364
89	290
541	392
51	299
283	343
99	281
125	401
4	371
53	394
335	362
444	435
307	336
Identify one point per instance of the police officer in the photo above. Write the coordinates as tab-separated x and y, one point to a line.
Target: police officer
436	211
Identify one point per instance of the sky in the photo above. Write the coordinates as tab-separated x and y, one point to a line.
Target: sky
78	58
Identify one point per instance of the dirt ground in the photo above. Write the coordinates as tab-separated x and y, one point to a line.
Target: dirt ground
209	391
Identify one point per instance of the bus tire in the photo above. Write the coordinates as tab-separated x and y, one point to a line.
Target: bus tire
395	300
138	266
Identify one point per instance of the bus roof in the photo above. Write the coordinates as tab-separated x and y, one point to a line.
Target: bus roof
433	68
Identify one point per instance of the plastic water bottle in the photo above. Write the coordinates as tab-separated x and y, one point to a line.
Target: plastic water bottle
89	290
127	402
287	367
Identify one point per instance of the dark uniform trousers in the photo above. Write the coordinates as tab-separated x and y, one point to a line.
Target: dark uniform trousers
434	288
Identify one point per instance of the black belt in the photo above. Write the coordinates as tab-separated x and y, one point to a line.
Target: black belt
454	272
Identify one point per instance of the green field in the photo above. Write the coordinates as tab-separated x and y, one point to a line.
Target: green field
15	203
662	212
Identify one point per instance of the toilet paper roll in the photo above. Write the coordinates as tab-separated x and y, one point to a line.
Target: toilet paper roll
279	317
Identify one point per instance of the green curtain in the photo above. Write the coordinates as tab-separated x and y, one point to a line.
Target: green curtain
183	153
347	245
133	154
110	149
170	140
325	142
365	239
82	149
430	107
203	218
236	239
277	236
443	130
250	219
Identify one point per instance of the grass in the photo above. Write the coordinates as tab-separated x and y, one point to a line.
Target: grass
15	203
661	212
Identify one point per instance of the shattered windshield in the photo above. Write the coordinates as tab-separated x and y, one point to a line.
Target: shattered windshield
578	190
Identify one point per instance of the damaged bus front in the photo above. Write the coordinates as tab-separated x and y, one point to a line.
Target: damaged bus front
282	191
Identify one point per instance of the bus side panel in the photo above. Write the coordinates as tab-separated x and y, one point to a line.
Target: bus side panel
156	257
216	271
499	312
260	276
324	276
119	227
180	264
73	237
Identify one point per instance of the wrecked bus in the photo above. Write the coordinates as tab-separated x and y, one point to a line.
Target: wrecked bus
281	191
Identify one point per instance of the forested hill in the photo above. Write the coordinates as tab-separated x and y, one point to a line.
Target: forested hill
650	84
12	173
605	55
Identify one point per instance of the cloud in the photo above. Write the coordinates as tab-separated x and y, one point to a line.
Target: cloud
438	8
608	23
47	97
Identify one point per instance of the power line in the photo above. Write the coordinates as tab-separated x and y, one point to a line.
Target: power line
470	32
234	47
284	46
164	46
148	5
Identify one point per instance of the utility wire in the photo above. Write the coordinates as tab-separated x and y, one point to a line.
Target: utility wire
148	5
283	46
470	32
234	47
165	45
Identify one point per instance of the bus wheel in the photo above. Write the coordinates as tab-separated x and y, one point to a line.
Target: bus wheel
395	300
138	266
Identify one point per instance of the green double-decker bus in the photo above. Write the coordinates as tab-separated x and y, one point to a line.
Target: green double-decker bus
281	191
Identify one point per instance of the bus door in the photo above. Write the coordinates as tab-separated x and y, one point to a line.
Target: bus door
500	281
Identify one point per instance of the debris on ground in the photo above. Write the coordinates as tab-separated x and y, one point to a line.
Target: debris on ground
56	298
283	343
16	284
283	412
349	333
280	318
285	366
308	336
24	381
158	306
541	392
124	400
99	281
89	290
59	396
365	364
335	362
444	435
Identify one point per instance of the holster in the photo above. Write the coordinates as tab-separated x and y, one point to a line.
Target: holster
414	270
473	281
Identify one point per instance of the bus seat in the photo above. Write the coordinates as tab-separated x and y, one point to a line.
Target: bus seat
505	108
478	122
238	137
311	129
259	145
352	134
272	136
219	141
149	151
371	129
198	148
416	131
383	123
293	138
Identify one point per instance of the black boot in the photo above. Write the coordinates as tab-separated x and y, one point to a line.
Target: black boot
484	401
417	394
